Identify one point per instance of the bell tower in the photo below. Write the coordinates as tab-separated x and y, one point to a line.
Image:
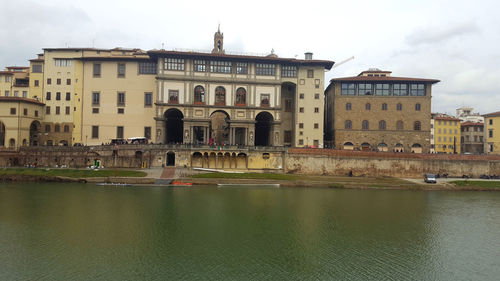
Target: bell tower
218	42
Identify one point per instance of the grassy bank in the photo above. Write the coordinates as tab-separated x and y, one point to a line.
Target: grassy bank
479	184
70	173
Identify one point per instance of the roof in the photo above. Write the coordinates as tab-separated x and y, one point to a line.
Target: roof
93	49
114	58
37	60
265	59
493	114
7	72
20	99
374	70
445	118
383	79
18	67
469	123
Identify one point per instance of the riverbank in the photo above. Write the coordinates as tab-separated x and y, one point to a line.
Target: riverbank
151	176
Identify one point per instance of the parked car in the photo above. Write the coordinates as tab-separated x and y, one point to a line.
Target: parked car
430	178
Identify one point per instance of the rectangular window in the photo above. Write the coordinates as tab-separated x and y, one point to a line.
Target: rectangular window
36	68
310	73
68	81
288	71
348	89
301	96
58	81
288	105
47	110
25	94
47	128
288	137
58	96
68	109
37	83
417	89
316	110
97	70
301	125
490	121
199	66
95	110
96	98
148	99
490	133
241	68
120	99
36	113
58	110
301	109
316	125
25	111
301	142
316	96
49	81
68	96
16	93
173	96
382	89
121	70
147	132
13	111
147	67
121	110
220	66
63	62
7	93
174	64
365	89
400	89
95	132
264	100
265	69
119	132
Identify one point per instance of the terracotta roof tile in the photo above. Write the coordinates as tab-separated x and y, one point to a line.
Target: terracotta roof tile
27	100
493	114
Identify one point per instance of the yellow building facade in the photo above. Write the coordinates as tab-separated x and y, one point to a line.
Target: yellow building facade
447	134
492	133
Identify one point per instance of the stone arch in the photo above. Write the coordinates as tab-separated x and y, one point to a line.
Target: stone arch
199	95
366	146
263	126
382	147
241	161
174	126
348	146
197	160
12	143
35	132
241	97
399	147
416	148
219	127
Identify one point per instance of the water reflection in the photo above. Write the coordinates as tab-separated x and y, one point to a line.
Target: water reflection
61	231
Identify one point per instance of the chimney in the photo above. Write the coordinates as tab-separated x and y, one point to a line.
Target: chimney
308	56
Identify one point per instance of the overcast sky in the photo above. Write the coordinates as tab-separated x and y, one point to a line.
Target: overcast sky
457	42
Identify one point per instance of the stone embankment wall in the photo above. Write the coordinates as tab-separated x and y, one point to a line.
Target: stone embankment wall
410	165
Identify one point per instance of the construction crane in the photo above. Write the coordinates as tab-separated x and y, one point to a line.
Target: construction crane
342	62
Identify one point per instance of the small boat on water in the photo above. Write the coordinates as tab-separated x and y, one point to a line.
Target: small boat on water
176	182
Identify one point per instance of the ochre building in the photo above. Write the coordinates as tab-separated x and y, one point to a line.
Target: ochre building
447	134
492	132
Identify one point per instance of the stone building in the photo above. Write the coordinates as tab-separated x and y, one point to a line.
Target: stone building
472	137
216	97
379	112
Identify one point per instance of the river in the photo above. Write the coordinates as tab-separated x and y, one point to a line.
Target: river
56	231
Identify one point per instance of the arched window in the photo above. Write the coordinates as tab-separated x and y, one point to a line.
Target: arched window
399	125
381	125
417	126
199	95
348	106
368	106
348	124
66	128
399	107
220	96
417	106
12	143
365	125
241	97
384	106
57	128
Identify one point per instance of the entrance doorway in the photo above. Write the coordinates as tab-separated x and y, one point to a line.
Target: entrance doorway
174	126
171	158
219	122
263	122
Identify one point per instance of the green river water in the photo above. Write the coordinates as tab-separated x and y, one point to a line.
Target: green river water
88	232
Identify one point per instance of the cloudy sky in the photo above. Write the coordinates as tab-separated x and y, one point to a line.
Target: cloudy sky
457	42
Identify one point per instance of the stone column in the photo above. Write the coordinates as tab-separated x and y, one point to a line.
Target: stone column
160	131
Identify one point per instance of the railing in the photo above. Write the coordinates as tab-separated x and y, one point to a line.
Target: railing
184	146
